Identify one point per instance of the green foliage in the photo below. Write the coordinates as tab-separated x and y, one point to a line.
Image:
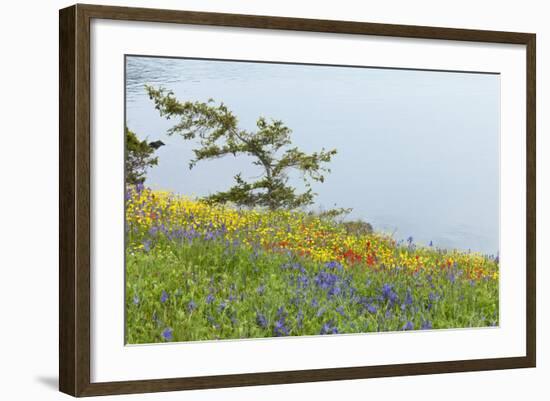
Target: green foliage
357	227
215	291
139	157
216	128
335	215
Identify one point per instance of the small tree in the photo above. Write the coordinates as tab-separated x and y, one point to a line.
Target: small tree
139	157
217	129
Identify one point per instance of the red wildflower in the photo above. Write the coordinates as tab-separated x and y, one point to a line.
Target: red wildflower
371	259
351	256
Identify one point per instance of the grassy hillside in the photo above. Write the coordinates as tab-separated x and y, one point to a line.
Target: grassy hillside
200	272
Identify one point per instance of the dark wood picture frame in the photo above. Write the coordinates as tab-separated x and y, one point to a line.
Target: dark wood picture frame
74	199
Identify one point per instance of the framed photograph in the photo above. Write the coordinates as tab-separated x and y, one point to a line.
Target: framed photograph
250	200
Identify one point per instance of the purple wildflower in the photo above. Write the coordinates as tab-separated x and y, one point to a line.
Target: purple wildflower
426	325
389	294
325	280
329	328
191	306
408	300
146	245
334	265
297	266
334	291
280	330
408	326
167	334
210	298
212	321
303	281
164	296
261	290
372	308
452	278
261	320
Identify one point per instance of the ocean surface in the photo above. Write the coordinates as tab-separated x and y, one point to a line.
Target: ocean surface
418	151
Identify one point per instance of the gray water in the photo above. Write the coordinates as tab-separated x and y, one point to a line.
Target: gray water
418	151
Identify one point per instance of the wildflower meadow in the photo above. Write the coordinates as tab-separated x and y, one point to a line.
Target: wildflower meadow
202	271
256	253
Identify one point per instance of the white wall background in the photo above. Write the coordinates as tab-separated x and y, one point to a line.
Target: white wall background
29	184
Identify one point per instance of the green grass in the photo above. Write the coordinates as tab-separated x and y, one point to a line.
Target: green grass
216	290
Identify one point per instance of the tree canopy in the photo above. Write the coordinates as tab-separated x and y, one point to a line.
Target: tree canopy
139	157
217	131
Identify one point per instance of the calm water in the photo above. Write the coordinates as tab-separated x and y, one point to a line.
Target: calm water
418	151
